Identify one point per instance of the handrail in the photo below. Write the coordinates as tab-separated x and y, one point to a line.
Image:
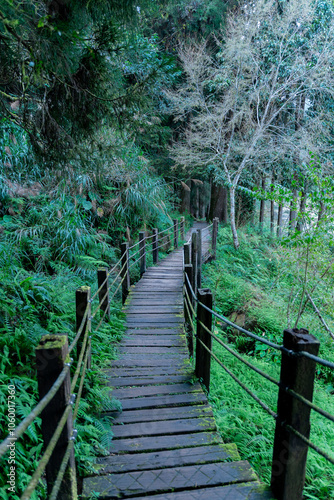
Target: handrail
81	366
196	325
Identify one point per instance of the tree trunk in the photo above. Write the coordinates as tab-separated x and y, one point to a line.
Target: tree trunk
272	206
185	199
293	211
232	217
197	203
279	220
321	211
263	187
302	206
218	207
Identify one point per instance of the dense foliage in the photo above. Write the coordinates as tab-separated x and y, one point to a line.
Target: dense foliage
255	287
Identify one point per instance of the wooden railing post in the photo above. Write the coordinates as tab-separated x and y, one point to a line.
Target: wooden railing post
214	237
194	250
102	281
51	356
176	233
125	274
199	258
186	253
82	300
290	452
188	317
182	228
155	251
142	252
203	357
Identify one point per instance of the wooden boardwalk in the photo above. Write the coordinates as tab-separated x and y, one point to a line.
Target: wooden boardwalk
165	444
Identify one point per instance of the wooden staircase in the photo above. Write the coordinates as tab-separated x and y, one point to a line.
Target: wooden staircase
165	444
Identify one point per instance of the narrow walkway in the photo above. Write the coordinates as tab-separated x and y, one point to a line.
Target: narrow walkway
165	442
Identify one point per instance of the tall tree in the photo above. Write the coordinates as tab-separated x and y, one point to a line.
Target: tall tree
242	101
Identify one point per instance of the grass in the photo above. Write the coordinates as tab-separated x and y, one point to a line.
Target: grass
253	285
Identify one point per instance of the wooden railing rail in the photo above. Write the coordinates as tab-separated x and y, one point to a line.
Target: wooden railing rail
299	358
59	394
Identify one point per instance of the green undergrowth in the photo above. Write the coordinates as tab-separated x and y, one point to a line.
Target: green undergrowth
33	304
255	287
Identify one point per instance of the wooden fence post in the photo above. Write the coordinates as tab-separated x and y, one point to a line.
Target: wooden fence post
214	237
290	452
155	251
125	274
203	357
82	300
186	253
199	258
102	281
142	252
176	233
194	259
188	317
182	228
51	356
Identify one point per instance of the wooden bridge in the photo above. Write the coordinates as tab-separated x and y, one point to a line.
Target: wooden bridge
166	445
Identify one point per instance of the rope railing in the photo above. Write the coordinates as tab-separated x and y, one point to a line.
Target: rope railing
122	267
295	384
23	426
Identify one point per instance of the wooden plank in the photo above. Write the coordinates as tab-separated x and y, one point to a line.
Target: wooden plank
149	380
170	479
141	444
168	458
152	317
161	361
152	340
180	412
154	331
150	371
159	349
169	427
160	401
155	390
244	491
158	309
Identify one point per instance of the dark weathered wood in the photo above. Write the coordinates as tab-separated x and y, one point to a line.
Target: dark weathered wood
168	458
154	341
163	480
155	250
161	401
143	444
203	357
248	491
168	413
142	252
182	222
148	380
199	259
176	233
102	283
290	452
82	301
214	237
170	427
156	390
125	273
51	355
187	253
194	256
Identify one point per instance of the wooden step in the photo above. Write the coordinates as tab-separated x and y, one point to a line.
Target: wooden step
169	479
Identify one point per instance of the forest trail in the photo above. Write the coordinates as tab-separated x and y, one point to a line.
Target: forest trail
166	445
